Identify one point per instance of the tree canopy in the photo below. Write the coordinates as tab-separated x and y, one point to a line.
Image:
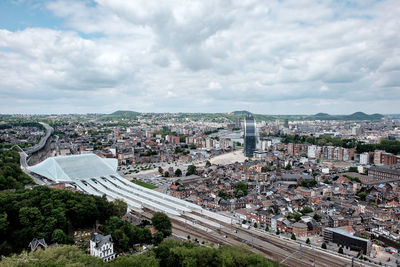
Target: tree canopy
44	212
162	223
178	173
241	189
168	253
124	234
191	170
11	175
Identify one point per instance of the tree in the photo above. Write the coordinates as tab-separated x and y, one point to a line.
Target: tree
255	225
241	189
162	223
142	260
317	217
178	173
208	163
158	237
160	170
3	223
119	207
293	237
191	170
278	232
353	169
61	255
362	195
59	237
306	210
323	245
267	228
244	222
121	240
166	174
188	237
340	251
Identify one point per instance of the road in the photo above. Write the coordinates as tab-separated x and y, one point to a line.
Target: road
23	156
43	140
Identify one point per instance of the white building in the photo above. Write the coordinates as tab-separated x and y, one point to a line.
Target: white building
311	151
102	246
364	158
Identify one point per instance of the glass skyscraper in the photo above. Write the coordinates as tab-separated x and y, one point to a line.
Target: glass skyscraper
249	135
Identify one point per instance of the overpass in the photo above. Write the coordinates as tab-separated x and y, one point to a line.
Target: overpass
43	140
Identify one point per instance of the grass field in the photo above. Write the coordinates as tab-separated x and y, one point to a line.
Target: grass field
149	186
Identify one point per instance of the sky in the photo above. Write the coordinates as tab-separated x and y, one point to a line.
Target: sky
268	57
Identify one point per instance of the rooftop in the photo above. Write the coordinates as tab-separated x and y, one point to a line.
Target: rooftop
70	168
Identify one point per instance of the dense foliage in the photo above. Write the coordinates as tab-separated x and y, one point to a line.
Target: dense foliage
309	183
325	140
162	223
390	146
168	253
241	189
191	170
124	234
11	175
48	213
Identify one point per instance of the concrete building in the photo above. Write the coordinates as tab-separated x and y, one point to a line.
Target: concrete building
364	158
344	238
311	151
384	172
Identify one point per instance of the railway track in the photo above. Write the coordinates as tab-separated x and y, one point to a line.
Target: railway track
310	256
272	248
189	229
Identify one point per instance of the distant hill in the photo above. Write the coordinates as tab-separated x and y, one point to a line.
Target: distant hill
241	112
357	116
124	113
220	117
121	114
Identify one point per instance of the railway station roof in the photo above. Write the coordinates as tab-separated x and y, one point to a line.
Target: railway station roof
70	168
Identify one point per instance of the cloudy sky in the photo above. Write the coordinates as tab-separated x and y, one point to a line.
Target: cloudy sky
271	57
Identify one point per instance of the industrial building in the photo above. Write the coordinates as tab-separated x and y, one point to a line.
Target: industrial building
345	239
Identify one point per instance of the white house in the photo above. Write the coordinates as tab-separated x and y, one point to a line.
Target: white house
102	246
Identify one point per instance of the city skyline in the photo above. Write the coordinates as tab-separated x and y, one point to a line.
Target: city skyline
279	57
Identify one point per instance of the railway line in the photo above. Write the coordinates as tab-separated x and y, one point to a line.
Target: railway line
309	256
280	250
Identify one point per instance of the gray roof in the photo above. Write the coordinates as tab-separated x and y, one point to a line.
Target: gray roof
345	233
35	243
100	239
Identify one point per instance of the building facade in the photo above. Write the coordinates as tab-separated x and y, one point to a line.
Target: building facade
346	239
102	246
249	135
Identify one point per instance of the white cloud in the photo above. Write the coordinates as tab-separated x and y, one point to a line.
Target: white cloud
324	88
205	56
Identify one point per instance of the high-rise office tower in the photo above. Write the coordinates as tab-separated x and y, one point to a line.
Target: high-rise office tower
238	123
249	135
286	123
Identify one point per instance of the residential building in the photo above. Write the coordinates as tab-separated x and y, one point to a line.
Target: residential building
102	246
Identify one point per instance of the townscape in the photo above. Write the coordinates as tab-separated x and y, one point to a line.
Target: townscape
329	183
199	133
